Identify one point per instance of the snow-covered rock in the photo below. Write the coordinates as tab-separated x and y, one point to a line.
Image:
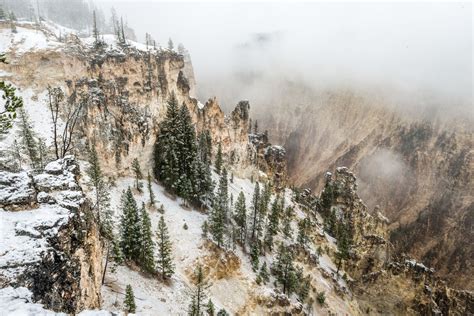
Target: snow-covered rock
16	188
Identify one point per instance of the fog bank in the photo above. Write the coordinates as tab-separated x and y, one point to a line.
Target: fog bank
239	50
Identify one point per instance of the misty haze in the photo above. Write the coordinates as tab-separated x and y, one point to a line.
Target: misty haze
236	158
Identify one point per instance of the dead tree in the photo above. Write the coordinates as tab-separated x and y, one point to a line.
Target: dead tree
63	140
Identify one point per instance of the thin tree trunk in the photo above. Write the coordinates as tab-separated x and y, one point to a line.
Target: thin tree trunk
106	263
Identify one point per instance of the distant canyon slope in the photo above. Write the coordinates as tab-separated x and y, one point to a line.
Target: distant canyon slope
418	170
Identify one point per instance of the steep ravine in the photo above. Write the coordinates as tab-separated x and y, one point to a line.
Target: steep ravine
418	170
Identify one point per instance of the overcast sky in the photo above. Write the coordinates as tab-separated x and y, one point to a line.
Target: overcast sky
424	46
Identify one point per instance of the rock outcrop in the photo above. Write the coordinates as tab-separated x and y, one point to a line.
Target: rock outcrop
381	281
50	245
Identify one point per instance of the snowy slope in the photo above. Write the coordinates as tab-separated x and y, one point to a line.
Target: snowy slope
153	297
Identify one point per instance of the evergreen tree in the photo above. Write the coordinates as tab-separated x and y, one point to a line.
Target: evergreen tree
150	191
263	208
254	253
304	227
187	155
219	215
273	222
205	229
166	151
3	16
264	273
327	196
130	227
12	22
103	211
170	45
147	246
129	302
43	153
222	312
330	222
343	245
287	230
210	309
16	155
205	146
304	288
122	39
11	102
117	255
218	162
255	127
177	162
138	173
284	270
165	260
198	296
240	218
28	139
95	31
255	206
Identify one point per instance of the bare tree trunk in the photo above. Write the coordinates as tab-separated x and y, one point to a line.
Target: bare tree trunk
106	263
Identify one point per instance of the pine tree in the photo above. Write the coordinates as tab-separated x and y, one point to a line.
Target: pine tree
147	246
170	45
130	227
177	162
117	255
28	139
304	227
343	245
219	215
205	229
138	173
254	253
16	155
11	102
95	31
187	155
150	191
240	218
12	18
122	39
304	288
287	230
166	151
264	273
165	260
218	162
3	16
273	223
284	270
103	211
255	206
198	296
129	302
43	153
255	127
222	312
205	146
326	197
210	309
263	208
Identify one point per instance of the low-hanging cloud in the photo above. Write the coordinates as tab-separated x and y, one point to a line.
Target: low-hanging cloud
240	49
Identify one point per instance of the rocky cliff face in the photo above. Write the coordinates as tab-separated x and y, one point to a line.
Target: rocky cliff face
123	90
416	167
50	245
381	282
